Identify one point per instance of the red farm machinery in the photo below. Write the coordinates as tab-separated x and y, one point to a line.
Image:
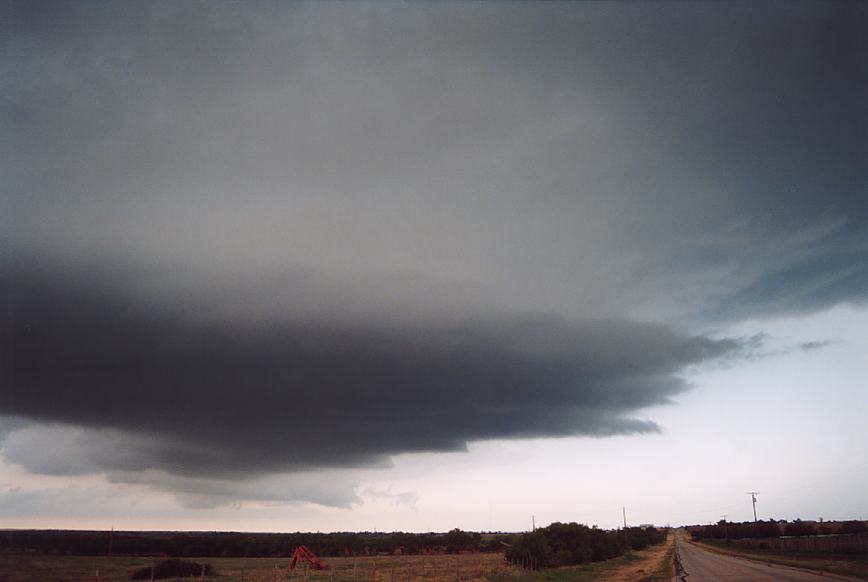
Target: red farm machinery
304	553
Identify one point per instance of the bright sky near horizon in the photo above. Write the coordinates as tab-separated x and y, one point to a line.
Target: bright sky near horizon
357	266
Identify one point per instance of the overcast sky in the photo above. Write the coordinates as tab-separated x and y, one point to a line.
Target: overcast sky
336	266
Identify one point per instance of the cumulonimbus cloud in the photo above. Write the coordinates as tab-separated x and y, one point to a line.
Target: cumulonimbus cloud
218	399
540	165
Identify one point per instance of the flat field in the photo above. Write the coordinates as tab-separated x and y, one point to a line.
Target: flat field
464	567
647	565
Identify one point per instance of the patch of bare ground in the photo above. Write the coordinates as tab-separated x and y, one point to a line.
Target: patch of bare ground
652	564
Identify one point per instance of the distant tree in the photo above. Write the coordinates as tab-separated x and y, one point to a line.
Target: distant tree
458	541
853	527
497	543
640	539
799	528
761	529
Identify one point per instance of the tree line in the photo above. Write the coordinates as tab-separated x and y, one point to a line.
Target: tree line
772	529
236	544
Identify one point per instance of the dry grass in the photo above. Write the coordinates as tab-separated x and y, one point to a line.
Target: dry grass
647	565
584	573
464	567
653	564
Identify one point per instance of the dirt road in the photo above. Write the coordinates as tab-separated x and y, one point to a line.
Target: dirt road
702	565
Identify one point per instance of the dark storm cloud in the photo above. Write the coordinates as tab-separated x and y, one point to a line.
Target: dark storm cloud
290	236
210	398
673	161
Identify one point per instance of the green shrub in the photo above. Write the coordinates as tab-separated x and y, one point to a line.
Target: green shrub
531	551
567	544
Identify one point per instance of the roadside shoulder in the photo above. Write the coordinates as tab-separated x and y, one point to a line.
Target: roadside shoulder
774	560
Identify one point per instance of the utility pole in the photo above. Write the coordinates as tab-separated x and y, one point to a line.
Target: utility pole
753	495
626	540
725	528
533	522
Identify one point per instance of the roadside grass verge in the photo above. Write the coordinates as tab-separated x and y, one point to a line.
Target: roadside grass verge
666	569
583	573
846	565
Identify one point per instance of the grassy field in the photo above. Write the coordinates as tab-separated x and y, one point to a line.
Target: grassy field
856	566
465	567
584	573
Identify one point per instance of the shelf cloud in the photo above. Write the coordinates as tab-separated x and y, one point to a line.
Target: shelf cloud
147	386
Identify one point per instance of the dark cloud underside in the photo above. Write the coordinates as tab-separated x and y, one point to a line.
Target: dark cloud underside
221	398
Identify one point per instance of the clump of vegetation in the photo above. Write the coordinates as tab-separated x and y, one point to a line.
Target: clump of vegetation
853	527
568	544
173	569
800	528
734	531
